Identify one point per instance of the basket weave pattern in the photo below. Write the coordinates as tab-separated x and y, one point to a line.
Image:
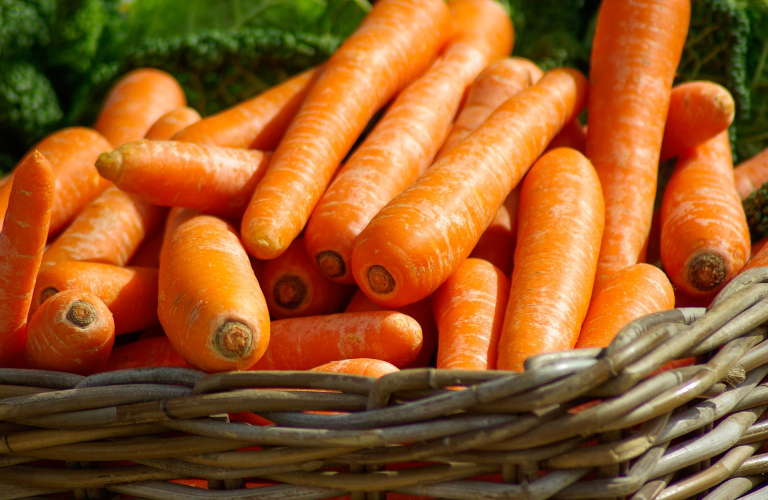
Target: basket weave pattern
583	424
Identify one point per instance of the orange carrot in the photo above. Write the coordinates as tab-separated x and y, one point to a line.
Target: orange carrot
21	249
109	230
635	53
71	153
423	235
72	332
634	291
303	343
698	111
750	174
145	353
495	84
148	254
210	304
572	136
294	287
171	123
421	311
170	173
137	101
560	226
130	293
757	246
396	152
395	43
469	308
497	244
704	234
259	122
358	366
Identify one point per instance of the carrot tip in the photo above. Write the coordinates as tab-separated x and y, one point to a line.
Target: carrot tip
331	264
47	294
233	340
705	271
110	165
81	314
380	279
290	291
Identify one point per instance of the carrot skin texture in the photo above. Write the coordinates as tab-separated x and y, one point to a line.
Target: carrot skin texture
447	209
109	230
634	291
216	319
130	293
394	44
750	174
358	366
560	227
211	179
499	81
398	151
144	353
259	122
636	51
698	111
22	241
71	152
497	243
705	239
421	311
469	308
294	287
172	123
136	102
72	331
303	343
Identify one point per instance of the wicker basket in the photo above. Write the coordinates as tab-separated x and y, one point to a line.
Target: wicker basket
593	423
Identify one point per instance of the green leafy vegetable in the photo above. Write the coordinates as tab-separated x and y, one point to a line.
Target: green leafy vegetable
756	209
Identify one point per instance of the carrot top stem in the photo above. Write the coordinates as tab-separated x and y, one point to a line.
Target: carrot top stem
233	340
290	291
706	271
331	264
81	314
381	280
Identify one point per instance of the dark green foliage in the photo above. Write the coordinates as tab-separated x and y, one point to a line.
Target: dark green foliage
23	25
756	210
29	107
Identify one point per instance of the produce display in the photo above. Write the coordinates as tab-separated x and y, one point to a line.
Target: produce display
367	189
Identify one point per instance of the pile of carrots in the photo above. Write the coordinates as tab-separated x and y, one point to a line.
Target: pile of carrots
478	223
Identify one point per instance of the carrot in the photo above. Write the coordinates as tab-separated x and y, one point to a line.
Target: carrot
148	254
497	243
145	353
704	234
130	293
393	45
72	332
652	251
750	174
21	249
560	227
698	111
469	308
423	235
495	84
634	291
294	287
303	343
171	123
211	179
109	230
572	136
210	304
757	246
358	366
71	153
396	152
257	123
135	102
421	311
635	52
